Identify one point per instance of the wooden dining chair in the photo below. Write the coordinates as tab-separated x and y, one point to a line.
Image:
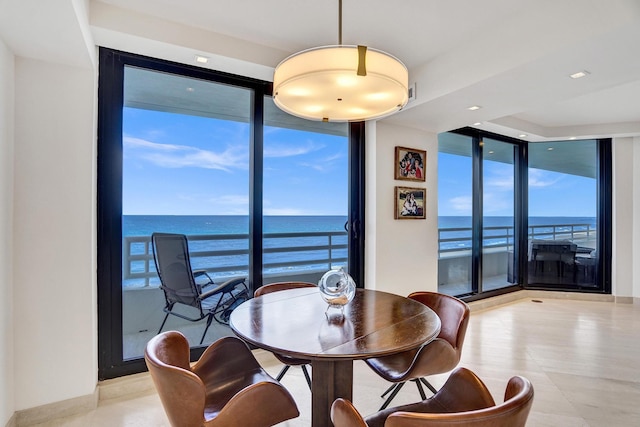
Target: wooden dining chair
225	387
464	400
288	361
436	357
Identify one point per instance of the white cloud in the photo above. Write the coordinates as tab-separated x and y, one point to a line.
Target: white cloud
541	179
180	156
462	204
281	149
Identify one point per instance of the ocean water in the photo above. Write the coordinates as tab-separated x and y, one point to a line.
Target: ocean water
144	225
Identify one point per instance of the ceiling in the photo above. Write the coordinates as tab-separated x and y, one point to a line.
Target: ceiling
511	57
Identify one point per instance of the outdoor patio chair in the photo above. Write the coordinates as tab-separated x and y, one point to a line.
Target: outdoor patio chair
436	357
182	285
464	400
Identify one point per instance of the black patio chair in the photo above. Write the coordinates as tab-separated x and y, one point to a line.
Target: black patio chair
182	285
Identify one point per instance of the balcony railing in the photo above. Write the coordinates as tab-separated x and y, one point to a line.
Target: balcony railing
294	252
459	239
283	253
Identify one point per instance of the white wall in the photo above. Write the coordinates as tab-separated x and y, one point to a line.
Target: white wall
6	234
636	219
402	255
54	233
622	273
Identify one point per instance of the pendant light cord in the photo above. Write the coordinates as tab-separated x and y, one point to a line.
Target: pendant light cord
340	22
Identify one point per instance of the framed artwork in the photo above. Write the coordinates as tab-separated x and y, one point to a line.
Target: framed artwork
410	164
410	203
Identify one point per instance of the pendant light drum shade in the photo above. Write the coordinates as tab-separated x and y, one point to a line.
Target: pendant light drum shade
341	83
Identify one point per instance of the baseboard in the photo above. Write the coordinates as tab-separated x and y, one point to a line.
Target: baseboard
493	302
136	384
64	408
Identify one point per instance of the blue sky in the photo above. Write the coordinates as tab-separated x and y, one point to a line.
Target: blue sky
550	193
189	165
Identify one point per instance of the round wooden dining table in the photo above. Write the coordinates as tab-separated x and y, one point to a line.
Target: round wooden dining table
297	323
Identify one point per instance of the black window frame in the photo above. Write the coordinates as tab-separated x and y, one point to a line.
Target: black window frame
521	217
109	195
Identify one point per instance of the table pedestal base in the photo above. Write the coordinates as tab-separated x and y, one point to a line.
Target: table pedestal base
331	379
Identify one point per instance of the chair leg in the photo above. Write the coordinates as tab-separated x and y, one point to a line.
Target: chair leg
163	322
429	386
423	396
392	396
284	370
209	319
306	375
389	389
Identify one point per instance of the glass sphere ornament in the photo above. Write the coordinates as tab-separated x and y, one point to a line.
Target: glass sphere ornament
337	288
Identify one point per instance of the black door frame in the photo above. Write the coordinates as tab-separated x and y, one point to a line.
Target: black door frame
521	208
109	196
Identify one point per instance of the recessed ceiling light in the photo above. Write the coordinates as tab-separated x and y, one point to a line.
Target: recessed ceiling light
477	124
522	135
579	74
491	152
190	89
201	59
474	107
550	149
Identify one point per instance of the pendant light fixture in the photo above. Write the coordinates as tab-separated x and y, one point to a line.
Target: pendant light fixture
341	83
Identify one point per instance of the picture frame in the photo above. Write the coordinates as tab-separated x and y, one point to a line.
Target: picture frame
410	164
410	203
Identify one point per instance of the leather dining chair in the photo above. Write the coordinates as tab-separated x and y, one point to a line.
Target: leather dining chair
288	361
463	401
225	387
436	357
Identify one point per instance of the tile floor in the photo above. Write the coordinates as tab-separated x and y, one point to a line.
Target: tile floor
582	358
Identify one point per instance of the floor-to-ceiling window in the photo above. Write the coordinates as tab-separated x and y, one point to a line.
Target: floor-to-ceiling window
563	211
498	212
305	196
517	215
455	209
205	154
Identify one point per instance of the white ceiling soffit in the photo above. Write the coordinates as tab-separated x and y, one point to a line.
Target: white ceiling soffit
512	57
53	30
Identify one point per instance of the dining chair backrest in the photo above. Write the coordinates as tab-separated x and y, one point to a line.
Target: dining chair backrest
226	386
181	391
463	401
281	286
513	412
453	313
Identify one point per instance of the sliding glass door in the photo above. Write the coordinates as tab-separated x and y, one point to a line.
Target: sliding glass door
455	213
563	213
516	215
498	213
306	197
260	196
